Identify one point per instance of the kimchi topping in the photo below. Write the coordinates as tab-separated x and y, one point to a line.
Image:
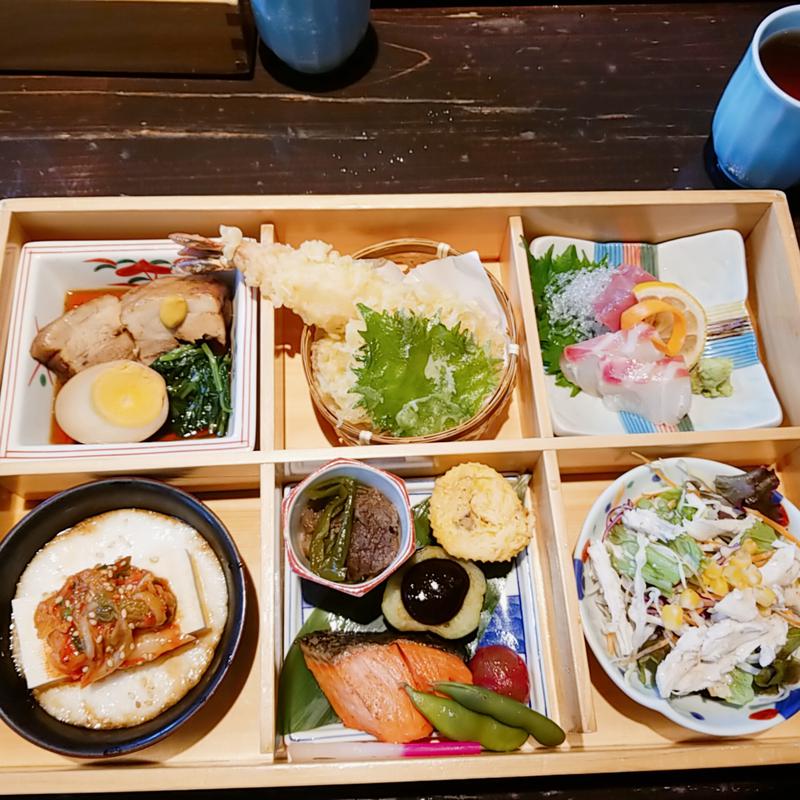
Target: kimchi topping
109	617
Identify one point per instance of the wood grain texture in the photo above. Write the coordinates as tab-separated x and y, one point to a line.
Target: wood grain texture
458	99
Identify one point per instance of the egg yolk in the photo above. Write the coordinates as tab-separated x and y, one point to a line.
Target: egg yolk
129	395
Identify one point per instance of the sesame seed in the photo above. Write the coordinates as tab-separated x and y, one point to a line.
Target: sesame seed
109	663
124	613
85	670
93	622
98	639
59	600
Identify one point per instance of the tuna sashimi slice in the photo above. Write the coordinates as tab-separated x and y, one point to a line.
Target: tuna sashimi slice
580	362
661	390
617	296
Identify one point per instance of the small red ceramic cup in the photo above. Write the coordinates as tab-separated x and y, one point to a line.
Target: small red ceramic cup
392	487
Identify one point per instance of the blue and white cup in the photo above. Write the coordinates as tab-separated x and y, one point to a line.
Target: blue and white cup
756	128
312	36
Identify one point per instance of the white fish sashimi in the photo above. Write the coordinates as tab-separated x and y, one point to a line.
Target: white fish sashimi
702	657
661	390
614	597
580	362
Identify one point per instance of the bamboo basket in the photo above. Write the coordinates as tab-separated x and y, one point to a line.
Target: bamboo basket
232	742
409	253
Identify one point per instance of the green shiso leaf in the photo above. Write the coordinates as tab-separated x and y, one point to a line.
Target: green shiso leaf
417	376
553	339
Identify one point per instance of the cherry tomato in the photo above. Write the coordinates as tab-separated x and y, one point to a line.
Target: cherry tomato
500	669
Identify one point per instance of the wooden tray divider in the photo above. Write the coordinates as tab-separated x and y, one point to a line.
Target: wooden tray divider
270	613
569	667
270	387
533	390
775	297
616	453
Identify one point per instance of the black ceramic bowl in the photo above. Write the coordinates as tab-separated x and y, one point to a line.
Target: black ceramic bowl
18	708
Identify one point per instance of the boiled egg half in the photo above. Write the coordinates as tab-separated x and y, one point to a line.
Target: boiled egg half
119	401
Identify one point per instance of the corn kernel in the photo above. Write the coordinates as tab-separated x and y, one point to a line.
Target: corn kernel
753	575
741	558
736	576
712	570
749	546
765	597
672	617
718	586
689	598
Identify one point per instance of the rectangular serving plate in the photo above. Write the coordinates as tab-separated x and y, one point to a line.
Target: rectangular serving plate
233	743
47	271
514	622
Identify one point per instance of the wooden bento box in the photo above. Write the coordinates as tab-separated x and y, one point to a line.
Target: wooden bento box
232	742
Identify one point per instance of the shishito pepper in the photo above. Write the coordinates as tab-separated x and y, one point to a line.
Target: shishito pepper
330	541
460	724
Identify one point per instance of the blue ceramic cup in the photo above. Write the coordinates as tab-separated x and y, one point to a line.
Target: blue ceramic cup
756	128
312	36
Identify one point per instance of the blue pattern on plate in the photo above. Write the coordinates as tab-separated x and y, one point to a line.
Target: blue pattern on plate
579	576
506	626
742	350
789	705
696	715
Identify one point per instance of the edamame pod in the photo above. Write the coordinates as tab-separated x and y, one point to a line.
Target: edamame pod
503	709
460	724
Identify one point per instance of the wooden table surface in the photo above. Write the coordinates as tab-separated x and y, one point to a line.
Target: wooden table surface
440	99
457	99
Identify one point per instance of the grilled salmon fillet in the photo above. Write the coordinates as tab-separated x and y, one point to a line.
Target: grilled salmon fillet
363	675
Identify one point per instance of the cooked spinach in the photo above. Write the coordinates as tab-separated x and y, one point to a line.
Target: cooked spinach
199	389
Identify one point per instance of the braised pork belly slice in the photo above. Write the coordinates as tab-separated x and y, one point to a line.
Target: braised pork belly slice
89	334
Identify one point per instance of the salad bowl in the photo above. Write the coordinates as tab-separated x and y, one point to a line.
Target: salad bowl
693	711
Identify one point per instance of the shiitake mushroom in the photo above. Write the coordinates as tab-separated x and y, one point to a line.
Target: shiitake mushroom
435	592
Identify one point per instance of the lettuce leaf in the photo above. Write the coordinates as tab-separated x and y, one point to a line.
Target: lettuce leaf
417	376
553	339
785	669
762	535
741	687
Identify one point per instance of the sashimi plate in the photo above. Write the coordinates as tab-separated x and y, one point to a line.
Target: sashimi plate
695	712
513	623
712	267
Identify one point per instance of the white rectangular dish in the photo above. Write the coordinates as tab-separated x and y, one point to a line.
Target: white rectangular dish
513	622
712	267
47	270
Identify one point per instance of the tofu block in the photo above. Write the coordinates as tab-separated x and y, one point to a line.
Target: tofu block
32	656
175	566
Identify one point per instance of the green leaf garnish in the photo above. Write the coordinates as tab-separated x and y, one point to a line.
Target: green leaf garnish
554	338
417	376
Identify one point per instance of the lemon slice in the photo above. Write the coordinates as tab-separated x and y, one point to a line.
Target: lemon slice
695	317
